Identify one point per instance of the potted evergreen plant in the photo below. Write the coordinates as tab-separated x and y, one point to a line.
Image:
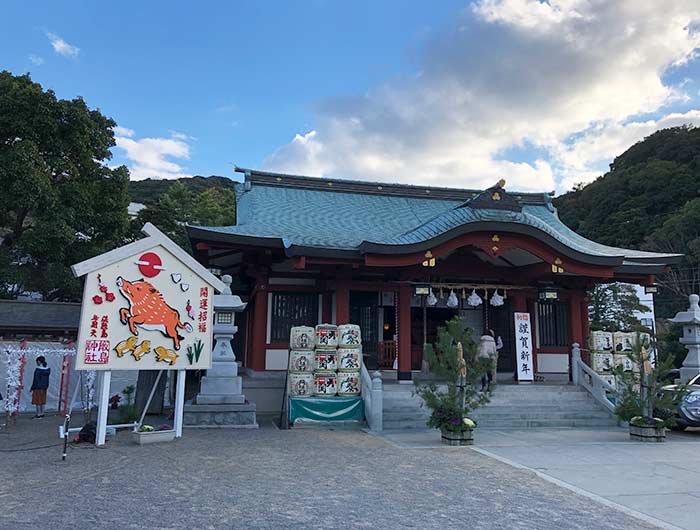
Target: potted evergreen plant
454	394
641	403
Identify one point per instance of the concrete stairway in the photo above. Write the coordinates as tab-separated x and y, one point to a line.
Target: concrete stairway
511	407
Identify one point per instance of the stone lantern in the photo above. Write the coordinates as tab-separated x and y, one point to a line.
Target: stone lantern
220	401
690	320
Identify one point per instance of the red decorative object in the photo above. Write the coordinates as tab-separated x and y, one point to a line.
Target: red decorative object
150	264
103	288
97	299
109	297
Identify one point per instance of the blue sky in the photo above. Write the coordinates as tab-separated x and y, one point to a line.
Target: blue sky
445	93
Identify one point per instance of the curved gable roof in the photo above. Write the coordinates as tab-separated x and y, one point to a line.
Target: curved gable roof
307	215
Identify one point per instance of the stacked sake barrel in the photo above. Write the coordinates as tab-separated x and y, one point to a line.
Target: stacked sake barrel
610	350
349	359
332	367
301	361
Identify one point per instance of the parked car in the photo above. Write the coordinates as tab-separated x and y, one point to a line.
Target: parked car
688	409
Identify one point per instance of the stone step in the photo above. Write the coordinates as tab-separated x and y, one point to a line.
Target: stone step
510	407
588	415
393	423
506	415
548	424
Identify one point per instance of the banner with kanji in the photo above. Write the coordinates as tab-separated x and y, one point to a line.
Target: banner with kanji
523	346
146	311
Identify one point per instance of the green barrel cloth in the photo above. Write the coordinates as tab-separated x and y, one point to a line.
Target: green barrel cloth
326	409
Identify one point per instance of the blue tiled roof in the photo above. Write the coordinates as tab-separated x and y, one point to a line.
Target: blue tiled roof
318	217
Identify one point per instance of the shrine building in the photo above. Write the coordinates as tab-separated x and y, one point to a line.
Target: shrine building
400	260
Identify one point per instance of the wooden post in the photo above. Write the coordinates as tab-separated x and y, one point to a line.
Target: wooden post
519	302
259	328
576	321
342	303
404	331
327	311
179	402
103	408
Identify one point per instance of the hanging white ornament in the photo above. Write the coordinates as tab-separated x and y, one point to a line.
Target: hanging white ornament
432	299
452	300
474	299
496	299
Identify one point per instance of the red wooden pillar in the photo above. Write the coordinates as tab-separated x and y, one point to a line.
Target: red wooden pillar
519	302
576	320
327	311
259	327
404	331
342	303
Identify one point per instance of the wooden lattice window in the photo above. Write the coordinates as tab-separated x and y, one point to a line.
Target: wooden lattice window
553	324
292	309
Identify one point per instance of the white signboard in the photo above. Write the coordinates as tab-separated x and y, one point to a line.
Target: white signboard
146	310
523	346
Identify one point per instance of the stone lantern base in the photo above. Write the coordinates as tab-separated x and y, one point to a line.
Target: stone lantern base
241	416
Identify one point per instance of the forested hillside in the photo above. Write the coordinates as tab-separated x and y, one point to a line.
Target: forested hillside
150	190
649	199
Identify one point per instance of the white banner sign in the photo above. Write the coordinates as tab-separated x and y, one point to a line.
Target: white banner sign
523	346
146	306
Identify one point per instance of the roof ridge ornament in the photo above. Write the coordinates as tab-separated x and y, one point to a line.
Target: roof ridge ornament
494	198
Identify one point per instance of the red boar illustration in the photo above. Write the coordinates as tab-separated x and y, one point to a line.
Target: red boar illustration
148	310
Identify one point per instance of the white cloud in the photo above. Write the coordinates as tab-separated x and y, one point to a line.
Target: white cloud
153	157
568	77
61	47
182	136
35	59
123	131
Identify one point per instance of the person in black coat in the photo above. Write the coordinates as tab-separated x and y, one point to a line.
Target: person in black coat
40	384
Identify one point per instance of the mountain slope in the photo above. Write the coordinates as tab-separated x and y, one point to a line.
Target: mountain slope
150	190
646	185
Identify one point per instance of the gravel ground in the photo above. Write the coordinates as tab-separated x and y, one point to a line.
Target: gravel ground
270	479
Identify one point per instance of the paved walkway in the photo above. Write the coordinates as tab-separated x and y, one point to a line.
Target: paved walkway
270	479
659	481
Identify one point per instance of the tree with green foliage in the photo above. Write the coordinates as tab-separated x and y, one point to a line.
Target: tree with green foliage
680	234
649	199
645	186
180	206
612	306
60	203
458	371
641	401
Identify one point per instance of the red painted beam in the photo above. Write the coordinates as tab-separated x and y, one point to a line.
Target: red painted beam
494	245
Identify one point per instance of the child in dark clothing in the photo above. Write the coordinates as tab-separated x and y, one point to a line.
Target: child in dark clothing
39	385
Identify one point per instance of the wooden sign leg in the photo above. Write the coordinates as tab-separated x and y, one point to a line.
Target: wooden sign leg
103	408
179	402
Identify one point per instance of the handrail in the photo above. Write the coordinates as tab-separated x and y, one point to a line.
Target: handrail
372	395
584	376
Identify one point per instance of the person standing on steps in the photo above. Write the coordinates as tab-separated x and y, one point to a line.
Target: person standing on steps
40	384
499	347
487	350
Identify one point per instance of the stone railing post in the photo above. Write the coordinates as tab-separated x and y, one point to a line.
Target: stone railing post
377	403
575	360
